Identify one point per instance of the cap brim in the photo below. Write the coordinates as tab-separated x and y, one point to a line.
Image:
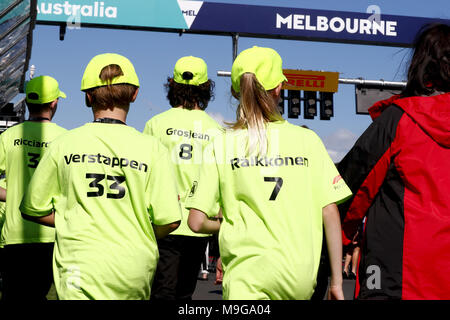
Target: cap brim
62	94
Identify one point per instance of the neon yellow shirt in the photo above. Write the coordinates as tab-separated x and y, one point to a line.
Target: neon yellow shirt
108	183
2	208
21	148
185	133
271	237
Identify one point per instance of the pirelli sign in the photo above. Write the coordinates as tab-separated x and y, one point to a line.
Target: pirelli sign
306	80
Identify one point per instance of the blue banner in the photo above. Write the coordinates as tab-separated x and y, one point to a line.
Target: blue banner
246	20
308	24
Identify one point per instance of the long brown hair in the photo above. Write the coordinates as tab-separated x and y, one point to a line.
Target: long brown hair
256	107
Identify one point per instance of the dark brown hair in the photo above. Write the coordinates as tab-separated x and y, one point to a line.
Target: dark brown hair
111	95
188	96
429	70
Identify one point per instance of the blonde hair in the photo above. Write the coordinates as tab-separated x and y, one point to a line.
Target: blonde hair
256	107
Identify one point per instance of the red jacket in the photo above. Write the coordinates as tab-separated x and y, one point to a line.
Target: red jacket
399	172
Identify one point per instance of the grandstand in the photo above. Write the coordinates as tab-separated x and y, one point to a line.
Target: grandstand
17	21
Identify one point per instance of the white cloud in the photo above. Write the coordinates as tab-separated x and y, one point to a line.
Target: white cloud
339	143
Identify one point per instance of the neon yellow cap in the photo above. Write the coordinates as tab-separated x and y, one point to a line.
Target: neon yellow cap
190	70
42	90
91	76
264	63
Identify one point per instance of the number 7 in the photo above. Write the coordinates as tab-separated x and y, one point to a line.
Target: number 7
279	184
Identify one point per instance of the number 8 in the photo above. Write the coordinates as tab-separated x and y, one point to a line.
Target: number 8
185	154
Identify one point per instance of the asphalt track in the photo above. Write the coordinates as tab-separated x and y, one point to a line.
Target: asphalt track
207	290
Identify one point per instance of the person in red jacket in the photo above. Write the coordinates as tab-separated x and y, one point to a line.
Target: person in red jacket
399	173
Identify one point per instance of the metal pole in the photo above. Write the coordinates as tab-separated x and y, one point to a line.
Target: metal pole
346	81
223	73
381	83
32	71
62	31
235	38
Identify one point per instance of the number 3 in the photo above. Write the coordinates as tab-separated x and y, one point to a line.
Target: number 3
100	189
34	160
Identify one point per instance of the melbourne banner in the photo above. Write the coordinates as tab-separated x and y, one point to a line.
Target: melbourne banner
246	20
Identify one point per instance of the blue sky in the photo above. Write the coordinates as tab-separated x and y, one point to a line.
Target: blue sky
155	53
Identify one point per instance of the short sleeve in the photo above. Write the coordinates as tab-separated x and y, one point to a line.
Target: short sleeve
44	185
148	129
333	188
164	198
2	206
205	191
2	154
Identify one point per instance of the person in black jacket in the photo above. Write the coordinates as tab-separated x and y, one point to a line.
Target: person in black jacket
399	174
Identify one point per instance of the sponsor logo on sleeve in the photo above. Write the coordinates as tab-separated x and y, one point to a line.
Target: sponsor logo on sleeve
336	179
338	182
